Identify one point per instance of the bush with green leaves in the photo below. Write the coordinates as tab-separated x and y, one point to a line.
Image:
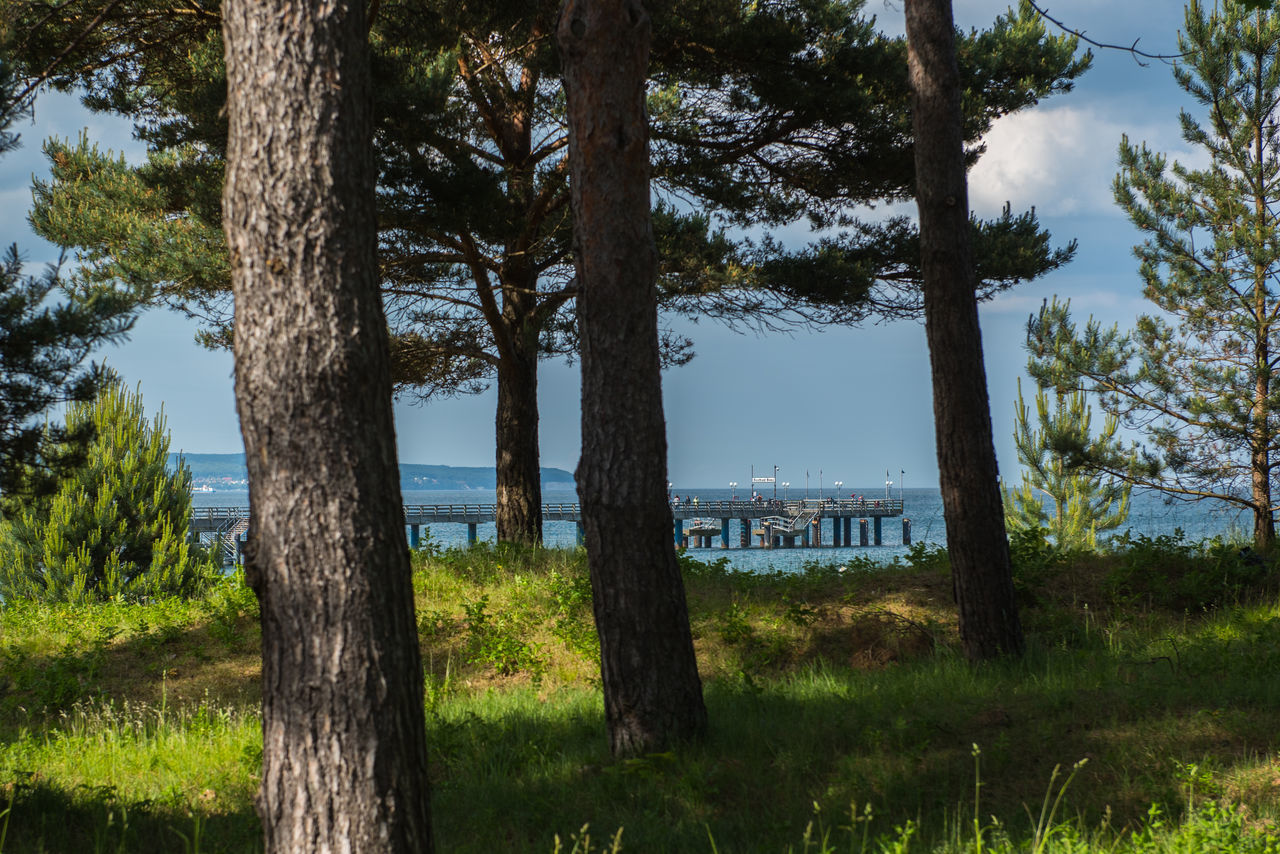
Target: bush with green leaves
116	528
1172	572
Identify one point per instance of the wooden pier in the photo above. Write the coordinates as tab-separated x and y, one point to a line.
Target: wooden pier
772	524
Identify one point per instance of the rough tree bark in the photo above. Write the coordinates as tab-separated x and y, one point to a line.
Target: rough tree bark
344	744
519	472
976	540
653	695
1264	520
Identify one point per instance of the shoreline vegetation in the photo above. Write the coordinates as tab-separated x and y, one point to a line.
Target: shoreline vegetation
844	717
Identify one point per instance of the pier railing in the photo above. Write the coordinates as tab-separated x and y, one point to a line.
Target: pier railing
214	519
745	509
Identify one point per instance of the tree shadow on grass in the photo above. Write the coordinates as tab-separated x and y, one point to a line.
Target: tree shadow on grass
46	818
900	739
173	665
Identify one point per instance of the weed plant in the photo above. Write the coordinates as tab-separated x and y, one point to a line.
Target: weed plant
844	716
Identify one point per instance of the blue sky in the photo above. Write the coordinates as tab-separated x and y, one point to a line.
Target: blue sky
850	403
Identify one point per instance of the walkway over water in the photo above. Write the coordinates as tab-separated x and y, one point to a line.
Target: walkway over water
781	521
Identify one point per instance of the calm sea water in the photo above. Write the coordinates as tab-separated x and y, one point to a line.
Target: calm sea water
1149	514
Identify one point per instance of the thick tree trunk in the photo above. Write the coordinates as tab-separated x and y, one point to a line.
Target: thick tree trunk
653	695
344	746
1264	525
976	540
519	510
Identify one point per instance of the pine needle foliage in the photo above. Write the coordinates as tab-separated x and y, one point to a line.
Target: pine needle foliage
761	114
44	343
1197	375
43	346
1072	503
117	526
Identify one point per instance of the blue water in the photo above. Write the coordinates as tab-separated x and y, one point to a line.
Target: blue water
1149	514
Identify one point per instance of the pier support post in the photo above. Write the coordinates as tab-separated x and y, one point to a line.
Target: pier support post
768	536
415	536
724	533
744	537
906	532
835	531
804	537
241	542
863	528
879	533
679	532
582	535
471	534
848	530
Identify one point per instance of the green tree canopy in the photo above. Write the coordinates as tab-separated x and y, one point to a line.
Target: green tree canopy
117	525
1197	376
761	113
43	345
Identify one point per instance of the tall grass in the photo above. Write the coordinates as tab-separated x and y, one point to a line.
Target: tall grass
844	717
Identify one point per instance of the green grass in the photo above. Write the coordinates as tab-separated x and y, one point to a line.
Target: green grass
844	717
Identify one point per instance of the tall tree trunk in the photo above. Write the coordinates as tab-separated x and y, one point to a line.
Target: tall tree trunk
519	504
976	541
653	695
519	510
1264	526
344	744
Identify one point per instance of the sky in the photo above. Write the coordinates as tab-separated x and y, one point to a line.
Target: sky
842	404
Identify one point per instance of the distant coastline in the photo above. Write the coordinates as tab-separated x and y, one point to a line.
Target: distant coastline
228	472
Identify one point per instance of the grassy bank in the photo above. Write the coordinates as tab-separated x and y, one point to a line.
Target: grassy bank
841	707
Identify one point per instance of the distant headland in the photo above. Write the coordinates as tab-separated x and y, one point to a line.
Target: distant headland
227	471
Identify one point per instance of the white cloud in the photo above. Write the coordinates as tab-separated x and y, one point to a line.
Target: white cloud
1060	160
1063	159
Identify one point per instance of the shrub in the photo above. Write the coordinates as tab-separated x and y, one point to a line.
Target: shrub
497	640
1170	572
117	525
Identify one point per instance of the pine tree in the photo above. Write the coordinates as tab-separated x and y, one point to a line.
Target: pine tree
981	572
762	112
344	751
117	526
12	105
1081	503
1198	376
648	670
43	347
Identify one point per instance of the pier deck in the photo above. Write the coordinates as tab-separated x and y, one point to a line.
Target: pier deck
778	518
